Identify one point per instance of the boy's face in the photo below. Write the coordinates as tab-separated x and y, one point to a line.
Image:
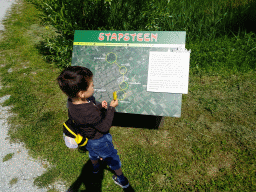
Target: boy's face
90	90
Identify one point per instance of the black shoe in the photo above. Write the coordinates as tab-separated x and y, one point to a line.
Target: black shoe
123	184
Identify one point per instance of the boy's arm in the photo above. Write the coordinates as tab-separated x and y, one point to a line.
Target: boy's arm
101	124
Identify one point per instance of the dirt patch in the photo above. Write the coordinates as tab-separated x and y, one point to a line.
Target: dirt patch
161	180
216	128
220	162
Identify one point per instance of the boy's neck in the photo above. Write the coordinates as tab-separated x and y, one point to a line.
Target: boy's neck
79	101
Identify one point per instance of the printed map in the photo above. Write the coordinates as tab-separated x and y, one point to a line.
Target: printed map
125	69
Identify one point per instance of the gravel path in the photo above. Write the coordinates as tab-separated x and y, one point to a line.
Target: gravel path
17	169
17	173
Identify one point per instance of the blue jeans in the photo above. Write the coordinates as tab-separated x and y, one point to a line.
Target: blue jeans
103	147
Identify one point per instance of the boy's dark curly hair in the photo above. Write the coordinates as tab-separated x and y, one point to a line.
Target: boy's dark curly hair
74	79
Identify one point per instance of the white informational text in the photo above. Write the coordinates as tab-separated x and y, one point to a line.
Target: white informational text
168	72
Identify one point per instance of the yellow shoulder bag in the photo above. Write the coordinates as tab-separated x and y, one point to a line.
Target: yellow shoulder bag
70	127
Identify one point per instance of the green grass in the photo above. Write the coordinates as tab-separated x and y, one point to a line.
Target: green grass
13	181
210	148
8	157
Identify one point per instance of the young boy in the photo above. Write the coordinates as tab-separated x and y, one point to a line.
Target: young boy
77	83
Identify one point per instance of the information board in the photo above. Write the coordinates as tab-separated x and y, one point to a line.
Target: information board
120	61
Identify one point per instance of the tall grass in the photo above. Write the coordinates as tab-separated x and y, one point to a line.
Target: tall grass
202	20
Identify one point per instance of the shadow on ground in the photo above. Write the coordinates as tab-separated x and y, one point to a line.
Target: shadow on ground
91	182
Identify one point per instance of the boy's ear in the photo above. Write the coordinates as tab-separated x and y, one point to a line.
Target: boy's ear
79	94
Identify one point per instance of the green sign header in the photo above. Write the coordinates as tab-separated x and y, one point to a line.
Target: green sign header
129	37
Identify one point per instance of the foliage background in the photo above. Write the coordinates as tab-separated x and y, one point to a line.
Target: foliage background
203	21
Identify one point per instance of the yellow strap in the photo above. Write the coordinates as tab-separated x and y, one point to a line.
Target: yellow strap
69	129
78	138
84	142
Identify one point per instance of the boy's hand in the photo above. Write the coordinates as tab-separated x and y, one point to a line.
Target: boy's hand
104	104
114	103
